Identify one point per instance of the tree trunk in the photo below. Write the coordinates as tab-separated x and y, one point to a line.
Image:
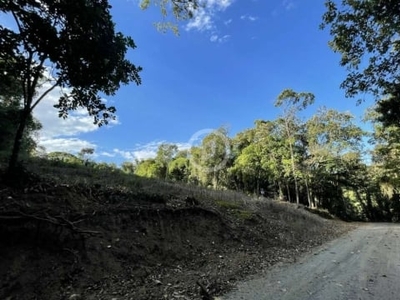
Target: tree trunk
18	141
308	194
280	191
316	201
288	191
215	180
296	187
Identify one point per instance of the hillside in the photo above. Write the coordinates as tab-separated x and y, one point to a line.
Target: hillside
79	234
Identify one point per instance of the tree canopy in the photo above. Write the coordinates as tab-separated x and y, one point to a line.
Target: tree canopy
68	44
179	9
366	34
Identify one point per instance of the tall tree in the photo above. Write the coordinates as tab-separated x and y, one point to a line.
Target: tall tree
292	103
334	145
366	34
209	161
10	114
165	154
68	44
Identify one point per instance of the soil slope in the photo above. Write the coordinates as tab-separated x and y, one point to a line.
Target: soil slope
62	241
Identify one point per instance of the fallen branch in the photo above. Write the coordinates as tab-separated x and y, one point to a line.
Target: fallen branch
57	221
204	292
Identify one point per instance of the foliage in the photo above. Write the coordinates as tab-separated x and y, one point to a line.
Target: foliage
292	103
10	116
128	167
178	169
366	34
68	44
148	168
209	160
179	9
228	204
64	158
165	154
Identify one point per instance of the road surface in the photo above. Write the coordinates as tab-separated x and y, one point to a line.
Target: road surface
364	264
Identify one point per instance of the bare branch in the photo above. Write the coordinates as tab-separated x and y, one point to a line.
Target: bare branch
45	94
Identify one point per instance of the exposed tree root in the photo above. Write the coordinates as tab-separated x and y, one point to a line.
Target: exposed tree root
58	221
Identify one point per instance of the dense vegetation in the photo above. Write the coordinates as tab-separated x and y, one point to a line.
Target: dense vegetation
189	222
325	161
69	45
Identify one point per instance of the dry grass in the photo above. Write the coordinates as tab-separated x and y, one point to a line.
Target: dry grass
150	240
242	206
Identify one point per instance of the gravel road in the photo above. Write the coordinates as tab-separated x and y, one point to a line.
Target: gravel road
363	264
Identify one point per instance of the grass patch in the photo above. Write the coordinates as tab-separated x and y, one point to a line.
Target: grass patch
227	204
243	214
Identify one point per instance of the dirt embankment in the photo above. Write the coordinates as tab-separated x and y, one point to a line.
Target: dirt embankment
74	242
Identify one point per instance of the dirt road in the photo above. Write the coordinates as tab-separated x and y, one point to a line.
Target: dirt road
363	264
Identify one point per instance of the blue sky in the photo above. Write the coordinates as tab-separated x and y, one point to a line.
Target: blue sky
225	69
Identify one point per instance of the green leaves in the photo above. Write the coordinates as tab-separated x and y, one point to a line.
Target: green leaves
290	98
366	34
78	40
172	11
71	44
181	9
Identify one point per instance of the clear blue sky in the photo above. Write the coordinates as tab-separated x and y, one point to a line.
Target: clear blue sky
225	68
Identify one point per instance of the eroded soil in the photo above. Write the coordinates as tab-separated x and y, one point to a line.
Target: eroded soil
77	242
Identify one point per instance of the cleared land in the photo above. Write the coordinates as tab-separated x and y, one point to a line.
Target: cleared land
86	234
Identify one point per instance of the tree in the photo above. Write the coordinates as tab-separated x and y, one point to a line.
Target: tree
165	154
366	34
64	158
236	175
178	169
258	158
209	161
85	154
277	154
148	168
10	114
72	45
333	154
292	103
180	9
128	167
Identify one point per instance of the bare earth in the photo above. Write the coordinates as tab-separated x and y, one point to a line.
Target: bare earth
363	264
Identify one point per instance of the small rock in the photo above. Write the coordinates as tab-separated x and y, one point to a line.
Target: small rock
75	297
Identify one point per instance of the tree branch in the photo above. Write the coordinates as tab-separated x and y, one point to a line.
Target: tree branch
45	94
56	221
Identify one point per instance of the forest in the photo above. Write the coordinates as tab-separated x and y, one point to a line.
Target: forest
326	161
197	218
